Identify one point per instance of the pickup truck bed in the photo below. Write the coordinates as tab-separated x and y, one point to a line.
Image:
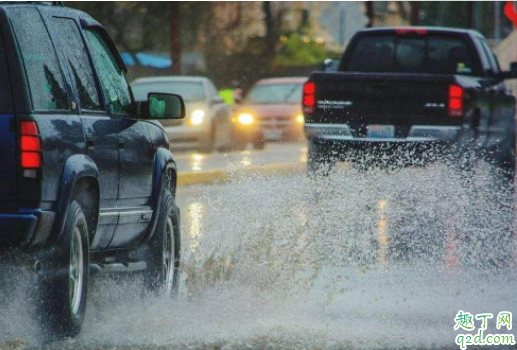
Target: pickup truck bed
411	86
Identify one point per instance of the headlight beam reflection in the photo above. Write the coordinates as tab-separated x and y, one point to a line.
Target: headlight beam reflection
382	231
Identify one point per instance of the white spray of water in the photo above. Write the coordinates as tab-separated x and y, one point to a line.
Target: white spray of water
355	260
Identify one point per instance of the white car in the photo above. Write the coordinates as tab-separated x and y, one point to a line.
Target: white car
207	125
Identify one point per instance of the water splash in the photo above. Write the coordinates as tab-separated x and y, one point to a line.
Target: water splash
355	260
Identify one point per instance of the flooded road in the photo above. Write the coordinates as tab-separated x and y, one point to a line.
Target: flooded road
274	153
356	260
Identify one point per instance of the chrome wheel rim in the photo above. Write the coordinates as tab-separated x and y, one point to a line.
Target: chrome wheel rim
76	271
168	257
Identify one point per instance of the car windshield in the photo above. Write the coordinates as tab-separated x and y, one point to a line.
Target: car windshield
190	91
407	54
275	94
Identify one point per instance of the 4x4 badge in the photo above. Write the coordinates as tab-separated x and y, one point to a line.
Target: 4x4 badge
434	105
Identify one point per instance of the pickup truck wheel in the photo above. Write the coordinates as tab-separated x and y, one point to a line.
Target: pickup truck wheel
162	252
63	282
319	160
507	166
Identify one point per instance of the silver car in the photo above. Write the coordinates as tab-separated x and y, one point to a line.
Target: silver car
207	125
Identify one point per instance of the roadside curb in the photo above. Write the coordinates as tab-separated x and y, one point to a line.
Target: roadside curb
224	176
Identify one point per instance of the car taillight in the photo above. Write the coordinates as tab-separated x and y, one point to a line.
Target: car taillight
456	101
309	99
30	147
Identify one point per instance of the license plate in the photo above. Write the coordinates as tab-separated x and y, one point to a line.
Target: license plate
380	131
272	134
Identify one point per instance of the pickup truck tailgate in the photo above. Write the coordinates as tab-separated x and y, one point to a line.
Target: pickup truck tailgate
402	100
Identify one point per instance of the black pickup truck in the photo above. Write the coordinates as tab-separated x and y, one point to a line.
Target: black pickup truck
411	87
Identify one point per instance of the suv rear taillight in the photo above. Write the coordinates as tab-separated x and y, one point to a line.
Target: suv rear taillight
309	99
456	101
30	148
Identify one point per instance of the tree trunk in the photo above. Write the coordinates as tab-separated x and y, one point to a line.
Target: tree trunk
175	38
370	13
414	15
269	23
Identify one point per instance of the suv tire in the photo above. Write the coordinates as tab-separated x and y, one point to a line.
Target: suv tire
162	252
63	282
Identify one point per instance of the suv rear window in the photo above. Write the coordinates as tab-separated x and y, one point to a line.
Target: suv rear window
79	64
407	54
46	82
6	104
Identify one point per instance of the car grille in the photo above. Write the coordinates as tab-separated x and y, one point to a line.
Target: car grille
275	122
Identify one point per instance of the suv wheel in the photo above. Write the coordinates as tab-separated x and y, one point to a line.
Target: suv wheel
162	252
63	283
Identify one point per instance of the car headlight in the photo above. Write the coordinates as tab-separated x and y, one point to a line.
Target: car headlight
300	119
245	119
197	117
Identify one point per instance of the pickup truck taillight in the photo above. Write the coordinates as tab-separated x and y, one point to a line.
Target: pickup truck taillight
456	101
414	31
30	148
309	99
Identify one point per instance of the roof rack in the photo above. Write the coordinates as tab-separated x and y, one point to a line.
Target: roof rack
49	3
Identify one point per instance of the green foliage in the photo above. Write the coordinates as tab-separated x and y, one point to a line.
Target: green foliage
133	25
298	51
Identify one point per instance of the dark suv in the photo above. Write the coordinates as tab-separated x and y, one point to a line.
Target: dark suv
87	182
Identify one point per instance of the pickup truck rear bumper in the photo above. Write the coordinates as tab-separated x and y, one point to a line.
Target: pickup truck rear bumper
25	228
417	134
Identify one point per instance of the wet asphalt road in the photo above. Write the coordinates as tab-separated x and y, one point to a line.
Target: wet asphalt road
274	153
381	260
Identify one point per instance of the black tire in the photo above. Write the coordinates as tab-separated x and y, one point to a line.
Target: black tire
319	160
63	281
5	277
162	252
507	165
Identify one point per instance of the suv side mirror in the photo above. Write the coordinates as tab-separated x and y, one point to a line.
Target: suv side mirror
512	73
160	106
